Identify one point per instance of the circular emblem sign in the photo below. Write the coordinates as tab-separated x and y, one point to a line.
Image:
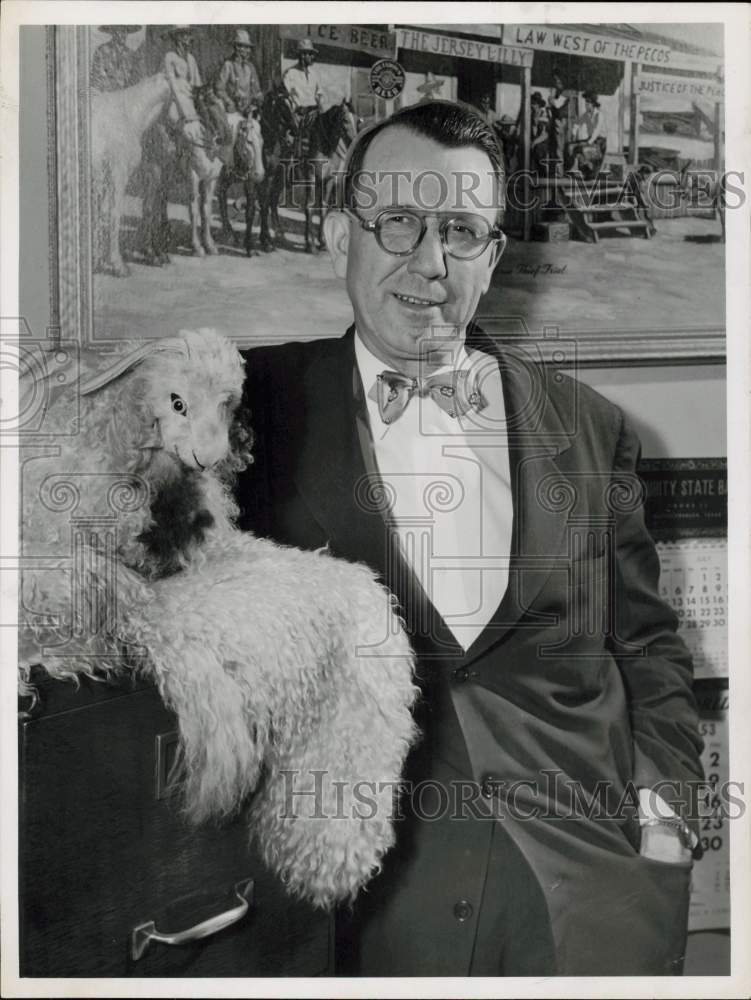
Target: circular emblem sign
386	78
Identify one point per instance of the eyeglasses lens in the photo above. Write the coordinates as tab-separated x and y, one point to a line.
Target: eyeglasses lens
465	237
400	231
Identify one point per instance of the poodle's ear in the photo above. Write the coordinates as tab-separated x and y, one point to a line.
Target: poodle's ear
171	345
241	440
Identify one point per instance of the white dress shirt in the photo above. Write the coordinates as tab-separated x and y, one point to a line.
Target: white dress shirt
450	486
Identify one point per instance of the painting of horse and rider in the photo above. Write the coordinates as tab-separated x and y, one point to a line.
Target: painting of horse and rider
186	157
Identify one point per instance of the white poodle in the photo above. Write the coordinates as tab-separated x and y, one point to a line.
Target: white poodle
289	671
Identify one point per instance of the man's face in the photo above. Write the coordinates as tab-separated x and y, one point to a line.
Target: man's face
308	58
399	300
243	53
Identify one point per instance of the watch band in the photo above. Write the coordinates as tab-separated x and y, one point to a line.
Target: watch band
687	836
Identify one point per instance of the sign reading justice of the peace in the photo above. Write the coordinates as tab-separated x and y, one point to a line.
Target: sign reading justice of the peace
357	37
462	48
560	38
387	78
661	85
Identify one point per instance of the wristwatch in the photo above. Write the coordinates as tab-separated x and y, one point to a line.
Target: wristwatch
687	837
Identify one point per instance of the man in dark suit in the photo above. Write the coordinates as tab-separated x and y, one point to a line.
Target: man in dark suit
544	820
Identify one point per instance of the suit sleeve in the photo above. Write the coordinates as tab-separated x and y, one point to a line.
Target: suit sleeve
654	662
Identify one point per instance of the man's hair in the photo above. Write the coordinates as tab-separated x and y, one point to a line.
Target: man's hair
452	125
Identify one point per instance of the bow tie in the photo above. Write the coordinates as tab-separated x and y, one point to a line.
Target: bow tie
393	391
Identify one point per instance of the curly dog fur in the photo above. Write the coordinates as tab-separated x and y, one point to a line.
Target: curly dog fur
289	671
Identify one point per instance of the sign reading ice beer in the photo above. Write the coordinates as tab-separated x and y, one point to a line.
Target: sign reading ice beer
356	37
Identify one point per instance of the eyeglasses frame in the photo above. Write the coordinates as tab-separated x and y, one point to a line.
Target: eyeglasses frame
496	234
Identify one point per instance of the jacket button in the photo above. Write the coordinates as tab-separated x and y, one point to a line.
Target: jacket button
488	786
460	675
463	910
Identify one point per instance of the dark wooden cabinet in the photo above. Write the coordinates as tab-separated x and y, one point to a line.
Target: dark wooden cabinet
103	849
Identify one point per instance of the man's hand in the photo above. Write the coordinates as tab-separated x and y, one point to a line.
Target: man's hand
661	843
659	840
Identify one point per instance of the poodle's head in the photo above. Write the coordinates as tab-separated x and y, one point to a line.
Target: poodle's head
175	404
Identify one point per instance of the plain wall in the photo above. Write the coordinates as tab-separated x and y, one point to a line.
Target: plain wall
678	411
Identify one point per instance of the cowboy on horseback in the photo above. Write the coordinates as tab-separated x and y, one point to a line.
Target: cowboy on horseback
302	81
237	84
303	85
183	75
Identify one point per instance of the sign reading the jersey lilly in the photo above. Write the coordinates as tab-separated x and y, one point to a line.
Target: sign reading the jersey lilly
386	78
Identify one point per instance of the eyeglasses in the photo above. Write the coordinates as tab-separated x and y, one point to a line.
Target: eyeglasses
400	231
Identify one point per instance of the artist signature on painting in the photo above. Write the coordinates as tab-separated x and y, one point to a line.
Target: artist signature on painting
535	270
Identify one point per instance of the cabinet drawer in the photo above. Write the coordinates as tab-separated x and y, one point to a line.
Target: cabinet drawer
103	850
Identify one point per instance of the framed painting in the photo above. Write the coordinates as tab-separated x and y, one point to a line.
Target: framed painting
152	235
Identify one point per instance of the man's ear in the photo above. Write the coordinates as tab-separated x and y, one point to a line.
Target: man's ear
336	234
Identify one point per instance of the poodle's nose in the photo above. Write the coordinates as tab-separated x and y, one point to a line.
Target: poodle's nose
211	448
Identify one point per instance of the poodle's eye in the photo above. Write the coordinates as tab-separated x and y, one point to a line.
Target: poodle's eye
178	405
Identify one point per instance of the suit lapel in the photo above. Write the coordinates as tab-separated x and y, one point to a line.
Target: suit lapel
338	477
330	473
423	621
536	438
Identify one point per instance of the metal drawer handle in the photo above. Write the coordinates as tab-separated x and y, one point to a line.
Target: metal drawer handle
142	935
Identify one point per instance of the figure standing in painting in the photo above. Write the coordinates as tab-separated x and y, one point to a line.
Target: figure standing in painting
587	150
115	66
487	111
237	84
558	107
540	133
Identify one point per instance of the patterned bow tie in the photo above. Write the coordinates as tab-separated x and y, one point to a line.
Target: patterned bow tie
392	391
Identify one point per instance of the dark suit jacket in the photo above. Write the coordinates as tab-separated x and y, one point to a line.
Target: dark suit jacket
579	680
